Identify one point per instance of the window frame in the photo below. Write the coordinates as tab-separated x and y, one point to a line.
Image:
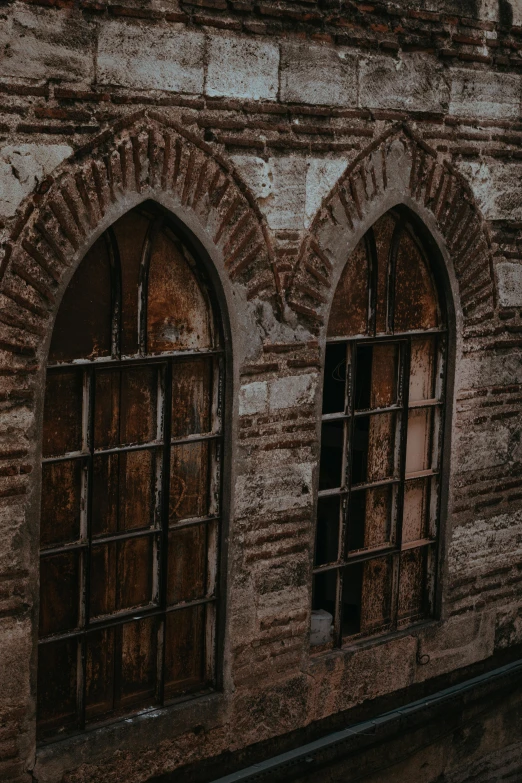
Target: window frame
220	358
443	378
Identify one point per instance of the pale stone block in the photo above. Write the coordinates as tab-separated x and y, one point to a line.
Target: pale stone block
496	186
242	68
256	173
482	449
150	57
40	43
321	176
280	187
509	278
292	391
253	398
289	190
411	81
489	368
485	94
318	75
279	485
22	167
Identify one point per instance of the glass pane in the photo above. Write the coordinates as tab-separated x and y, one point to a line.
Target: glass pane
327	531
178	313
383	230
324	591
99	683
189	481
418	442
191	397
59	592
62	423
330	468
367	591
125	406
83	328
376	376
422	369
349	313
187	564
57	686
334	378
370	518
139	661
374	450
61	502
184	650
411	584
415	295
123	491
414	517
121	575
130	231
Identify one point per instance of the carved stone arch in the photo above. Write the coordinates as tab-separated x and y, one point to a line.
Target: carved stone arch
398	168
146	157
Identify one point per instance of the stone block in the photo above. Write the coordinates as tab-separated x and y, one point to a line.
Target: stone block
484	545
150	57
321	176
292	391
475	93
318	75
39	43
509	281
278	484
289	190
253	398
482	449
496	186
22	167
478	370
411	82
242	68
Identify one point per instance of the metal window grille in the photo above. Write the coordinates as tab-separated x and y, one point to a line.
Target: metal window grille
131	480
383	397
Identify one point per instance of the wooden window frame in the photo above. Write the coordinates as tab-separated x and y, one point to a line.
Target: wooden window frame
165	363
433	475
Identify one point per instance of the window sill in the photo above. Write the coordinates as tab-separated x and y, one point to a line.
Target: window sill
353	646
143	729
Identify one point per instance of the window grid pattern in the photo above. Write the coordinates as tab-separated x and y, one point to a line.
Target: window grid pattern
378	501
139	561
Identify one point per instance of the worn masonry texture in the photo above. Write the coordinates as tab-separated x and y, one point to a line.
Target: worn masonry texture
277	132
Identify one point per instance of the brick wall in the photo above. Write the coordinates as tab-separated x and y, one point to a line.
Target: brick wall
278	132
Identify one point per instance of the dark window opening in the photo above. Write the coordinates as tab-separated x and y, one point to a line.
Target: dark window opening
131	481
378	506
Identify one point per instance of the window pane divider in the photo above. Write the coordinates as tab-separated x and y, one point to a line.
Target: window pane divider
418	544
192	521
416	404
108	362
140	613
395	336
420	474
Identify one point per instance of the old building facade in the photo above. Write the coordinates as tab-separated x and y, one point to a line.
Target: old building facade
261	390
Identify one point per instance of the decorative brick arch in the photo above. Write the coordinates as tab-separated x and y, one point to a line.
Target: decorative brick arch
147	156
397	168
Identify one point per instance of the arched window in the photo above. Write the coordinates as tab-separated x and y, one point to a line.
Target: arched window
132	452
379	483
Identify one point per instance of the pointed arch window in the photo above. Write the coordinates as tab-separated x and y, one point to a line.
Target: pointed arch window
131	481
383	403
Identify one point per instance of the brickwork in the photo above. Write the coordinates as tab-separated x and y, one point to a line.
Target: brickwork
278	132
